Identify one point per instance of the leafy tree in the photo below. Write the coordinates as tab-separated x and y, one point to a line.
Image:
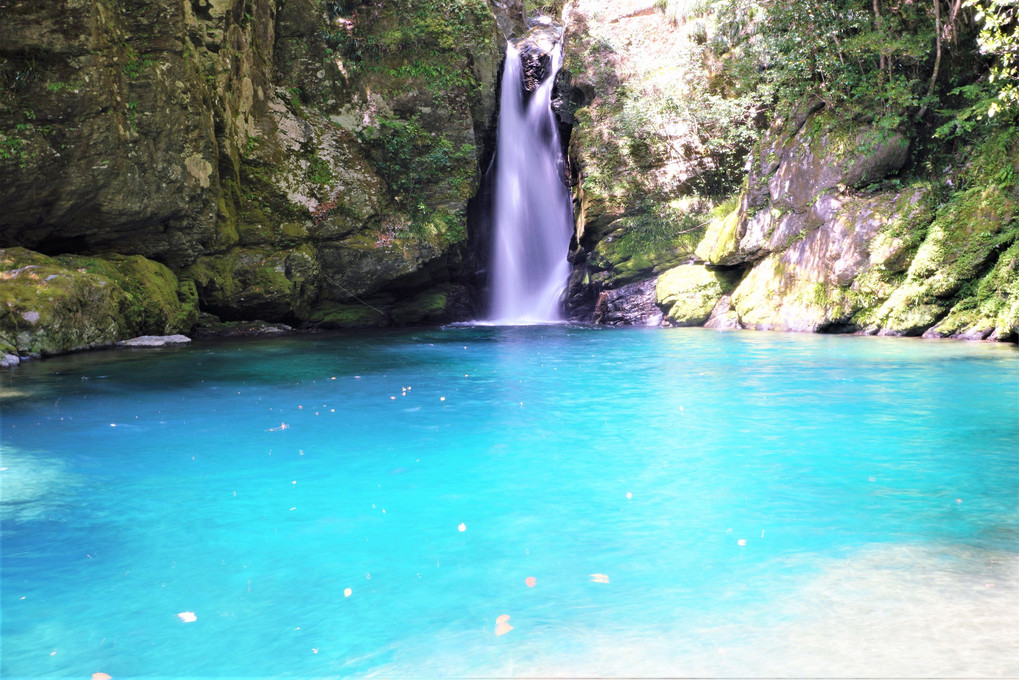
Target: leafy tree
999	39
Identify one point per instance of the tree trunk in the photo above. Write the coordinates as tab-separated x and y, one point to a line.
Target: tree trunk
937	56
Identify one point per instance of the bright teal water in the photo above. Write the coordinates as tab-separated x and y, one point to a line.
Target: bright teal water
761	505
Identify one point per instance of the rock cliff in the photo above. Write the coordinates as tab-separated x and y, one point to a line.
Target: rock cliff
836	227
288	160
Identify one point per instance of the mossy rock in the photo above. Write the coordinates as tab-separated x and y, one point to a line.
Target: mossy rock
720	245
764	299
991	311
828	152
688	293
156	302
258	283
995	160
777	294
959	246
642	245
335	315
428	307
55	305
628	255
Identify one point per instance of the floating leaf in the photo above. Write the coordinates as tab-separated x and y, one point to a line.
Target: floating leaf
502	625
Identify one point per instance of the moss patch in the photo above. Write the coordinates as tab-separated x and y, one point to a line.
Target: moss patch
964	238
991	309
258	283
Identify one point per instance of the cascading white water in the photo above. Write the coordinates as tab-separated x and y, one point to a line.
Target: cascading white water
533	213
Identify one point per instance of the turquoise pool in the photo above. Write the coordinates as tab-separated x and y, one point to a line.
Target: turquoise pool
545	501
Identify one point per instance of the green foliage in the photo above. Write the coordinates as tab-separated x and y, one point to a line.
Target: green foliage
134	64
662	225
13	148
656	237
686	111
132	114
999	39
425	170
294	93
319	171
549	8
249	146
872	66
413	160
412	39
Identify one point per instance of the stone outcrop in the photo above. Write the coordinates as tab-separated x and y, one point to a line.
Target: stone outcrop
689	294
282	157
902	260
835	228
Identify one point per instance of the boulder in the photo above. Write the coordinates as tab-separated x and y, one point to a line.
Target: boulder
630	305
688	294
52	305
145	341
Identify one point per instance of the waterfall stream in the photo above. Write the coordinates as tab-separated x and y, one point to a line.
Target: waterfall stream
533	212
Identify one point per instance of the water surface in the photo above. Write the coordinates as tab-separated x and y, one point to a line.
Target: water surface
639	503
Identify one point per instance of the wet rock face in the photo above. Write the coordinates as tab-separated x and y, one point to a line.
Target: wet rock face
511	15
536	64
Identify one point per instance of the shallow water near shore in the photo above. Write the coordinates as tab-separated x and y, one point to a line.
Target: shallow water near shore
638	503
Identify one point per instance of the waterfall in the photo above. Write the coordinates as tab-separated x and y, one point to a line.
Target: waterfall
533	212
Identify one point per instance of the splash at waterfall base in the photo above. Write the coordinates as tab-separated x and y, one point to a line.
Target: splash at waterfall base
532	211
